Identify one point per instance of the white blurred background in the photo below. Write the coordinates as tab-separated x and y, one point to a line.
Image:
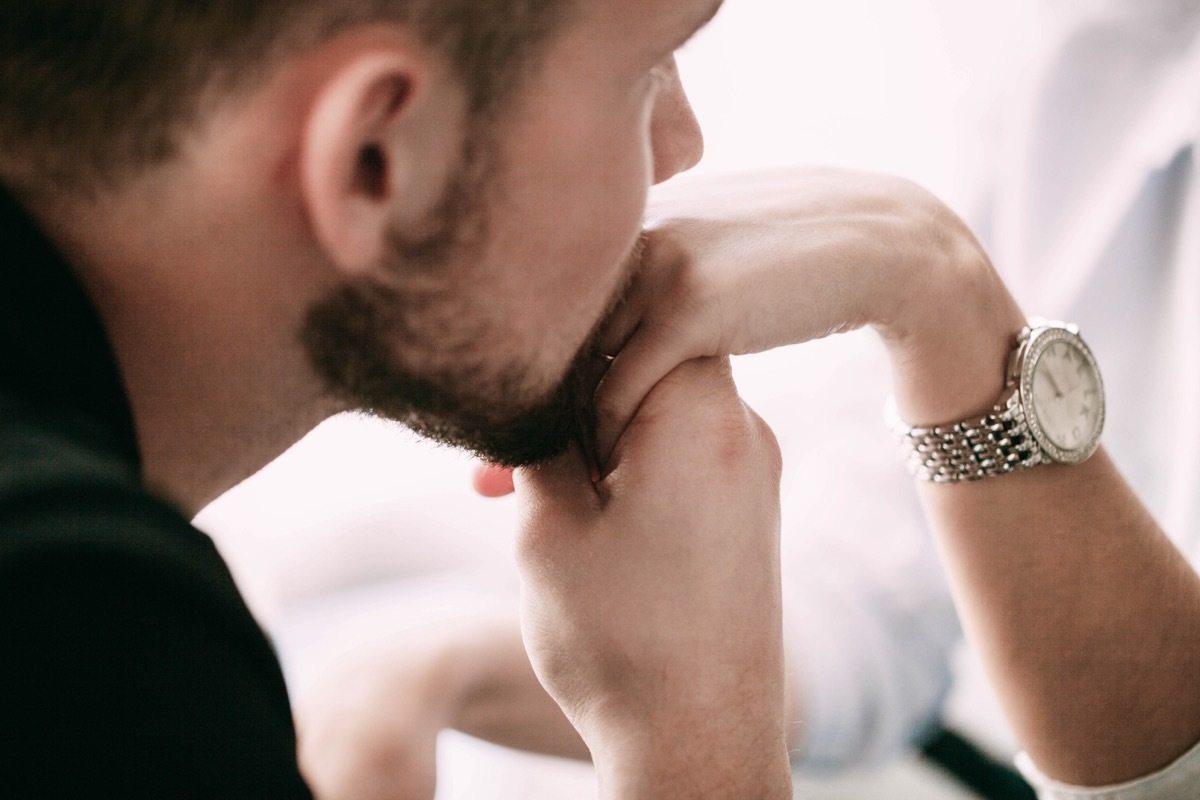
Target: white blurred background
360	528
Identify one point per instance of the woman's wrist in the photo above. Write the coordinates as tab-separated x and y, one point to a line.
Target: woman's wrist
949	331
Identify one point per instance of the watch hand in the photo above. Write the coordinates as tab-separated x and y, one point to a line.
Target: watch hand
1054	385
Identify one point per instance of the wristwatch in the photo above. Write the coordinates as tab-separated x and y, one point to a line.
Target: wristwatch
1052	410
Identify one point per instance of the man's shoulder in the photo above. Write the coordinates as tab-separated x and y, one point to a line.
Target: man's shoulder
73	510
67	490
42	444
129	651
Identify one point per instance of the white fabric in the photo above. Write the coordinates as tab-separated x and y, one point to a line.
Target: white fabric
1097	220
1179	781
1093	215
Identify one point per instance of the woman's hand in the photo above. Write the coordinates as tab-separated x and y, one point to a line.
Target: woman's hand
750	264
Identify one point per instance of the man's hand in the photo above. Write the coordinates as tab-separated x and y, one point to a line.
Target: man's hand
764	261
651	600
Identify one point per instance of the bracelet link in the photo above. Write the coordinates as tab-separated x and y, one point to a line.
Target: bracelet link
970	450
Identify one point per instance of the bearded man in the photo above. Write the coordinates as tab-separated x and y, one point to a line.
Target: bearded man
226	222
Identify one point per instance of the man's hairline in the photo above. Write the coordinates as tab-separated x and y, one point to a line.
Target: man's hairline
227	87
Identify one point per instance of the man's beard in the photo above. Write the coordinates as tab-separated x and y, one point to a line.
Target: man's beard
349	340
353	337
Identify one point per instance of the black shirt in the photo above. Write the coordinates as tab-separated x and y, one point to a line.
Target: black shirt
129	664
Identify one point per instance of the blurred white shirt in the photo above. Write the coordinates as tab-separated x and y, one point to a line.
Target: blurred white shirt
1093	214
1091	209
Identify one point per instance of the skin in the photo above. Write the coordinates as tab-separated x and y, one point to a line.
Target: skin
204	270
275	180
378	740
693	435
1086	616
368	726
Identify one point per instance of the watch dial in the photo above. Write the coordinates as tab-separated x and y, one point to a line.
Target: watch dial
1066	396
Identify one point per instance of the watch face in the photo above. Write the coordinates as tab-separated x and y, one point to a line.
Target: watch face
1064	391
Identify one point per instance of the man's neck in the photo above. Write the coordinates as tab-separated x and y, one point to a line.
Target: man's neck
202	314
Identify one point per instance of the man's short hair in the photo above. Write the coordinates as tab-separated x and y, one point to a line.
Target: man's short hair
93	91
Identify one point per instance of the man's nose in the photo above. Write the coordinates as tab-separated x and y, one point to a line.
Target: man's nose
674	131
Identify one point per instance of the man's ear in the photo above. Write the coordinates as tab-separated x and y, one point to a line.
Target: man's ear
357	154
